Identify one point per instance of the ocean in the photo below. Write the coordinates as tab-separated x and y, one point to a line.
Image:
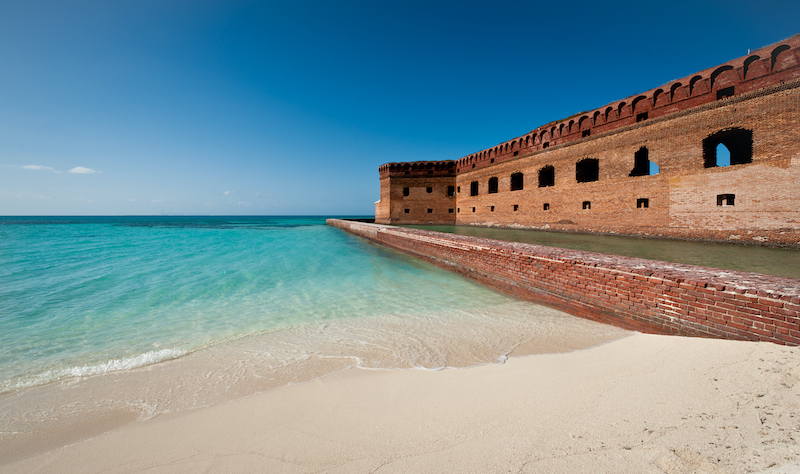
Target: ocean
146	315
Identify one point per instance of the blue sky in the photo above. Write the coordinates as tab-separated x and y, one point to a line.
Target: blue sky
282	108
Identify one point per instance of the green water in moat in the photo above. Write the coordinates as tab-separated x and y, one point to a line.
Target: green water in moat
766	260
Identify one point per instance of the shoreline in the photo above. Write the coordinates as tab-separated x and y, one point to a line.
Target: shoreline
45	417
641	403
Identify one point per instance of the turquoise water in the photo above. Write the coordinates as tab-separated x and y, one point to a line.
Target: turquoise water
84	296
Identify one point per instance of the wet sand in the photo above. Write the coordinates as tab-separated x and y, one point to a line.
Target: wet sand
39	419
642	403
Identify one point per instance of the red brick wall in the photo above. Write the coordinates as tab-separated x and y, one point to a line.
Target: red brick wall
682	198
644	295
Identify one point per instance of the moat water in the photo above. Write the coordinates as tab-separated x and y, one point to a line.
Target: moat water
766	260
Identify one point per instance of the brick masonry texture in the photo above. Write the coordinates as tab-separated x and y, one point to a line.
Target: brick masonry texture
756	98
638	294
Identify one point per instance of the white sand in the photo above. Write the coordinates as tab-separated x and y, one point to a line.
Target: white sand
644	403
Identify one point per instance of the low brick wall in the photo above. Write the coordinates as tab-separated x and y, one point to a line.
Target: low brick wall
633	293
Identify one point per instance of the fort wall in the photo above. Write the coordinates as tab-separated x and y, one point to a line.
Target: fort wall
638	294
594	172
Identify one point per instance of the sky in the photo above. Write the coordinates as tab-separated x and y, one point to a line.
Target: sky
202	107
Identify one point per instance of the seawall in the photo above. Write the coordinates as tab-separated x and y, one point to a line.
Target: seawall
633	293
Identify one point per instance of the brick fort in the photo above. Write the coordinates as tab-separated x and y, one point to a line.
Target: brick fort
711	156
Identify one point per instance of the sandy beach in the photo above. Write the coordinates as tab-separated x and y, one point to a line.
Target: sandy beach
642	403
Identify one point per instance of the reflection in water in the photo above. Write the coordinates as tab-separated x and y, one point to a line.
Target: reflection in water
769	261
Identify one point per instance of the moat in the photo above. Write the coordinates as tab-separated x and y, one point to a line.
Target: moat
766	260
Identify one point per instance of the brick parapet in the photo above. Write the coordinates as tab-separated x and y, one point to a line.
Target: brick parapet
446	168
769	66
632	293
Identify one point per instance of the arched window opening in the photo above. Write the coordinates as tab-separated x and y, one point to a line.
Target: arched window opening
775	53
723	156
587	170
656	95
692	83
642	166
717	72
473	188
738	143
547	176
492	185
516	181
748	62
673	89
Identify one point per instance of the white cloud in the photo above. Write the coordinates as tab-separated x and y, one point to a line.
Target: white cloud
131	200
39	168
226	193
82	170
157	200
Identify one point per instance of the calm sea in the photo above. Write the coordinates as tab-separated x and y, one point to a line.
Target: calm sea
143	315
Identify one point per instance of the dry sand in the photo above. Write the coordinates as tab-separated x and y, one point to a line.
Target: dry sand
643	403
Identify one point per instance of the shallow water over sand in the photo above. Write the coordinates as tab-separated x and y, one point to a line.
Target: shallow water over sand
106	320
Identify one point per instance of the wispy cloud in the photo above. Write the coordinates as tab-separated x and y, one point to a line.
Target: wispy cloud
33	168
227	193
157	200
82	170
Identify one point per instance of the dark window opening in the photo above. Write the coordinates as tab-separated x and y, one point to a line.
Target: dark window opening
587	170
737	141
545	144
516	207
459	210
408	172
516	153
473	165
641	162
429	190
405	210
492	185
641	117
546	206
473	188
586	133
642	203
547	176
459	189
491	161
451	190
473	209
516	181
450	211
587	204
725	199
492	208
405	191
430	211
430	172
725	93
